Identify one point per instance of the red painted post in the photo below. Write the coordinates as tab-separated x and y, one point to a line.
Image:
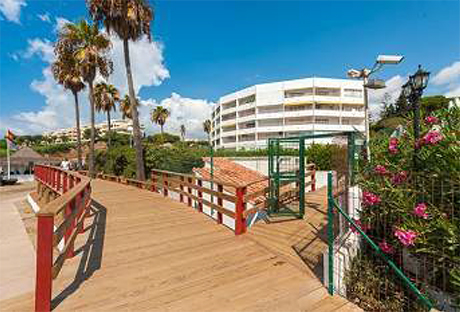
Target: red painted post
154	189
220	202
200	196
165	185
59	184
152	177
81	206
44	263
240	220
64	182
71	181
313	180
189	190
68	211
181	196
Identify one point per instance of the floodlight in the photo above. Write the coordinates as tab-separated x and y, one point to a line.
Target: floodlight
389	59
353	73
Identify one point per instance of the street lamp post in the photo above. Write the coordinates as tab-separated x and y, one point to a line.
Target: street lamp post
413	90
364	74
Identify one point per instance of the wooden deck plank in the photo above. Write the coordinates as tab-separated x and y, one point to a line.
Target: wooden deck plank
156	254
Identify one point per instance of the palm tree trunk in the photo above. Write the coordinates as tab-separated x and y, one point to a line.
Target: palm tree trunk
140	169
109	129
161	128
92	172
77	124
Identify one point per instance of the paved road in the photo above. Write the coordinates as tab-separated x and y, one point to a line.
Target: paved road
17	255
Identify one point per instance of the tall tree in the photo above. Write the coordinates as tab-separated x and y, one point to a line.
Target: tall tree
106	96
66	72
125	107
182	132
91	49
207	128
159	116
130	20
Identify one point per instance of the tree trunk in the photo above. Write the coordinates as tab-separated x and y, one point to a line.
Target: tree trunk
77	124
140	169
109	127
161	128
92	172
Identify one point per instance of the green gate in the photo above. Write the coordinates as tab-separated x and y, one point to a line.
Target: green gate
287	169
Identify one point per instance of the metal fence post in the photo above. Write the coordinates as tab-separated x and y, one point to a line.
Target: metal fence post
302	177
330	233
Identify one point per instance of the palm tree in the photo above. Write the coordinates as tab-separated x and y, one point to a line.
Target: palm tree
90	48
207	128
106	96
66	72
182	132
130	20
125	107
159	116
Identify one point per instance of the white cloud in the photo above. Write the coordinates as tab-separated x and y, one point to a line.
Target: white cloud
453	92
11	9
186	111
447	75
448	79
39	47
58	111
60	22
393	89
147	64
44	17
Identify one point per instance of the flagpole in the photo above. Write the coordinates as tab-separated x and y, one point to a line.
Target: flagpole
8	157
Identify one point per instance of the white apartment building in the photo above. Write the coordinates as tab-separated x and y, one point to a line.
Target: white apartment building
120	126
247	118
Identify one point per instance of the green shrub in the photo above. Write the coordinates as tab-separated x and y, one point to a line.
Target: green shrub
54	148
173	159
422	201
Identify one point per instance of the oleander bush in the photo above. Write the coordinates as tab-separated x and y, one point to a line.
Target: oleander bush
412	208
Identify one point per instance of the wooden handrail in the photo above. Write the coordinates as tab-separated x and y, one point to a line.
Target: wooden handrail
68	198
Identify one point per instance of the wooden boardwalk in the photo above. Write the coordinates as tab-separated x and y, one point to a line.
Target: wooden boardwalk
142	251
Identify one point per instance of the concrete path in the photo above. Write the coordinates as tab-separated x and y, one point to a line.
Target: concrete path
17	255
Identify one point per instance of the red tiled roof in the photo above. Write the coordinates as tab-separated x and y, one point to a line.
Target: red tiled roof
230	172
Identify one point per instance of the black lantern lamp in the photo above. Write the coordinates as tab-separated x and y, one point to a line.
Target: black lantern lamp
413	90
419	80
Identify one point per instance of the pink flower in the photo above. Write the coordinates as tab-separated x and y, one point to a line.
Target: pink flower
370	199
399	177
393	146
420	210
363	227
406	237
381	170
431	119
386	248
432	137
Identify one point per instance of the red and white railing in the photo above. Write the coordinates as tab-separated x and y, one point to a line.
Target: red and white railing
64	200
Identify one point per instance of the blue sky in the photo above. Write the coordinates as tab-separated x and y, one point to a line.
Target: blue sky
205	49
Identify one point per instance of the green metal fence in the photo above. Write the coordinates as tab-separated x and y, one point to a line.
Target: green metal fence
373	280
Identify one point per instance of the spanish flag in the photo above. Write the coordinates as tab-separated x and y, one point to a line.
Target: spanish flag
10	135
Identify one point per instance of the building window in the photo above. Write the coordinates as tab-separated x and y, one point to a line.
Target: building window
247	99
322	121
298	92
229	105
355	93
327	107
327	91
294	108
